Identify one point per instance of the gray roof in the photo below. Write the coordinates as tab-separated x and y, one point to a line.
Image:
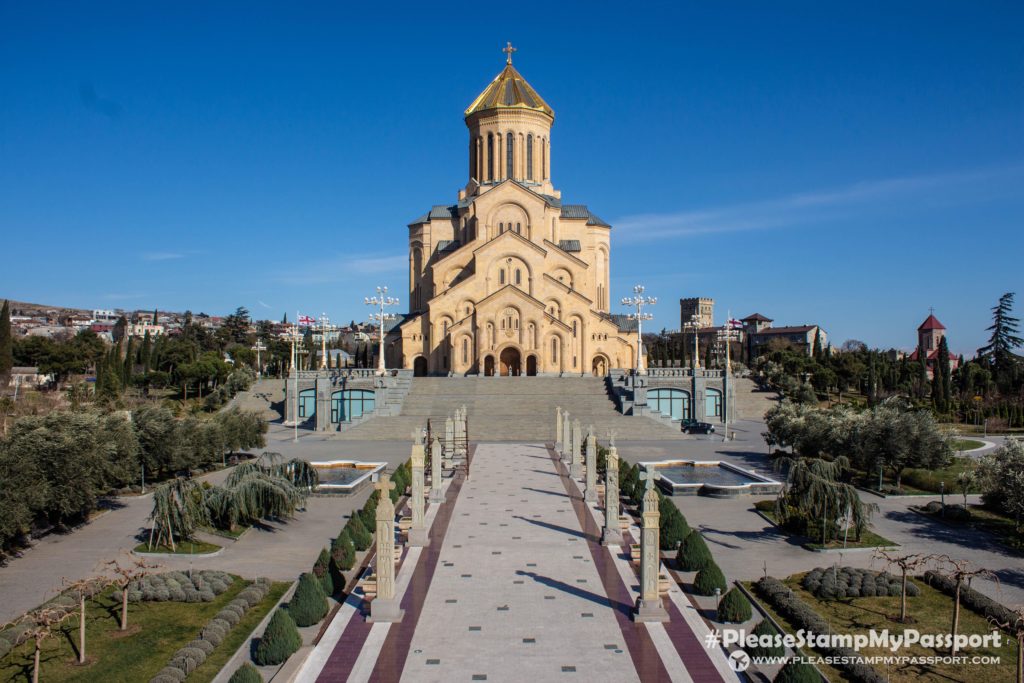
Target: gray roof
448	245
581	211
441	211
569	245
398	320
623	322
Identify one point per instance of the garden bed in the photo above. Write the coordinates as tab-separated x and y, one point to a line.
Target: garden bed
156	630
868	538
182	548
983	519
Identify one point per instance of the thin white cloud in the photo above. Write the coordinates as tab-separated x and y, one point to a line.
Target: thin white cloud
162	256
343	268
261	303
798	208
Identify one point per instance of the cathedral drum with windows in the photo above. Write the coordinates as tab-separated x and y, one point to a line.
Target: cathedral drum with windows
510	280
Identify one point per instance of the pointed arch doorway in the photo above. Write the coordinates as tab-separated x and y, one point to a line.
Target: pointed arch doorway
510	360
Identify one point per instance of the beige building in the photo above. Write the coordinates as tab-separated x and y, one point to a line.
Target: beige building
701	308
509	279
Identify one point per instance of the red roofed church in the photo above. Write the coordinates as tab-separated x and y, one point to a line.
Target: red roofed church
929	336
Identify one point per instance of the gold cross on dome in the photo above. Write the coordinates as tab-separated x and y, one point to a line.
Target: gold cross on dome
508	50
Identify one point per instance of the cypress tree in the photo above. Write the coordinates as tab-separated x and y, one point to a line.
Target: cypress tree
308	605
817	344
734	607
6	343
146	353
129	364
279	641
943	366
708	579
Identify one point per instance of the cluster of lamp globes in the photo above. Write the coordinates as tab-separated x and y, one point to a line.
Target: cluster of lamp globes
381	300
639	301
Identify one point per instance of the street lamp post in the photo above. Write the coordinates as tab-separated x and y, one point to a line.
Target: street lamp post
694	325
293	336
381	300
325	327
726	336
257	347
639	301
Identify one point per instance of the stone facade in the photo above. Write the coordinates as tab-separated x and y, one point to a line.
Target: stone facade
330	400
701	307
510	280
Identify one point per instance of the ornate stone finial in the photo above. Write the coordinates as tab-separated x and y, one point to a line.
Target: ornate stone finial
611	437
384	484
417	436
649	477
508	50
590	431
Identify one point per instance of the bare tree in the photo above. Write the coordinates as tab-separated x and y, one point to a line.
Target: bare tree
961	571
1015	627
43	623
81	589
135	568
907	564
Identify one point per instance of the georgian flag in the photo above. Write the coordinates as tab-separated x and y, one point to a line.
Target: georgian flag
306	320
735	324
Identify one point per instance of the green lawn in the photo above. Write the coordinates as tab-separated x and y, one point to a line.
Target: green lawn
997	524
932	611
868	539
182	548
965	444
156	630
923	481
235	533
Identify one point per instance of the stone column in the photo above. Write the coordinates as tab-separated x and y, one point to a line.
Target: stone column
566	438
576	458
612	534
436	494
417	530
449	438
649	607
558	429
460	432
385	607
590	492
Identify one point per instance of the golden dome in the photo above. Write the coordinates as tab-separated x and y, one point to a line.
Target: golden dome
509	90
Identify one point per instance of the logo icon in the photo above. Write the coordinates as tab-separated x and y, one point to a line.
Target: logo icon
739	661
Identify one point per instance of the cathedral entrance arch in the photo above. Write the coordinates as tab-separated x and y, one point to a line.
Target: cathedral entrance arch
531	365
419	367
489	366
600	365
510	362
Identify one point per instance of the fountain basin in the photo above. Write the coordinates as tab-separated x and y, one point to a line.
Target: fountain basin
345	476
713	478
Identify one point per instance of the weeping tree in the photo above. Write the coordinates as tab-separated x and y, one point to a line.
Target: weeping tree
251	497
179	508
297	471
813	492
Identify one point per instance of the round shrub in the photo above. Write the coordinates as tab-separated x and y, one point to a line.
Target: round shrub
734	608
213	634
161	595
246	673
177	595
279	641
693	554
204	645
708	579
229	616
322	572
5	648
308	605
673	527
172	673
343	553
253	596
764	629
797	672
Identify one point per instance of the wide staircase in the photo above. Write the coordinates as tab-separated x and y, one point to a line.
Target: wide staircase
509	409
266	397
751	402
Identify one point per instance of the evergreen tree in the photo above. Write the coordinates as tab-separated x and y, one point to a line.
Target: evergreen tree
872	379
156	316
129	364
6	344
308	605
146	353
279	641
120	327
1004	339
817	344
943	369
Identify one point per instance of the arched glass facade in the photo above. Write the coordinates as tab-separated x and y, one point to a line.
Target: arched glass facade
307	403
351	404
673	403
712	403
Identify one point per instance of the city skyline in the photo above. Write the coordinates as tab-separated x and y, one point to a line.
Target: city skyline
829	166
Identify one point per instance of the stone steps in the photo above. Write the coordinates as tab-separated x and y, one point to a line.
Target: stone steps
751	403
265	397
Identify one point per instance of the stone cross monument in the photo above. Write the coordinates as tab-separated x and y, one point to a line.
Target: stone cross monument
566	438
385	607
449	438
649	607
460	431
436	494
612	534
558	429
418	530
576	468
590	494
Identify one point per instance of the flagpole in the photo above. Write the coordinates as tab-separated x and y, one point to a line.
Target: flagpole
295	400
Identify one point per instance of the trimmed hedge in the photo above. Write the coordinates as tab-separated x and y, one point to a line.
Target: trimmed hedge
673	526
764	628
708	579
972	599
309	604
850	582
202	586
246	673
794	671
343	553
280	640
189	658
693	554
779	596
734	607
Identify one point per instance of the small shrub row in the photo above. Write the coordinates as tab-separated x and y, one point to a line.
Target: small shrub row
247	673
202	586
734	608
972	599
851	582
279	641
308	604
779	596
14	635
189	658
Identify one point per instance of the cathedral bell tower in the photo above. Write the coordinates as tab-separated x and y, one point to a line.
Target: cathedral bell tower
509	134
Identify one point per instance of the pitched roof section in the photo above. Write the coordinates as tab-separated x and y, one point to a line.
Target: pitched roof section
623	322
509	90
580	211
570	245
931	323
758	318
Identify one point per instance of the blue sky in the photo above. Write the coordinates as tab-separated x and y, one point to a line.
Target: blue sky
847	164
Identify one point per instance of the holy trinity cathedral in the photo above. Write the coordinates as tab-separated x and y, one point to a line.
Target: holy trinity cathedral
510	280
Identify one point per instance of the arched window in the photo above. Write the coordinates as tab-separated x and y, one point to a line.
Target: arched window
554	349
509	144
444	328
519	277
529	157
574	329
543	158
501	228
501	276
519	228
465	350
490	156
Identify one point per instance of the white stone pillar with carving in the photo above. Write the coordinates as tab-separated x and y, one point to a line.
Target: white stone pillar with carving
611	535
436	492
566	438
590	492
417	530
449	438
385	607
558	429
649	607
576	468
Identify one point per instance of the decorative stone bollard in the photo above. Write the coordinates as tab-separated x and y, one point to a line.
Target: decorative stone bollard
611	535
558	429
417	535
385	607
566	438
436	492
449	438
576	457
649	607
590	493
